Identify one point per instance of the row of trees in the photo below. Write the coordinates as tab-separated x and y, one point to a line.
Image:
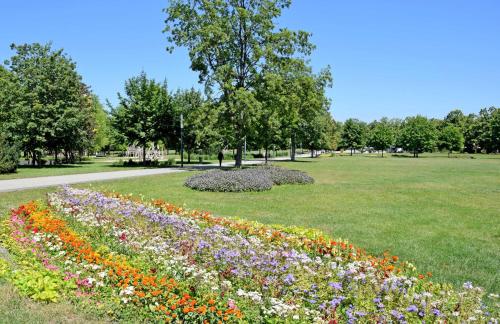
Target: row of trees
45	108
456	132
148	113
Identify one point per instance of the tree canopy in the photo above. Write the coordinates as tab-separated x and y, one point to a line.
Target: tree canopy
230	44
141	112
418	134
53	106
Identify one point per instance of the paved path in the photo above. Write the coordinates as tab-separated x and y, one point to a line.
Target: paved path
40	182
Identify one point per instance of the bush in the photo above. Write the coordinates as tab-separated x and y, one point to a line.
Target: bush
281	176
9	156
253	179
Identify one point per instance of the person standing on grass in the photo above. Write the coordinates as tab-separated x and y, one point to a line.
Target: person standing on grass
220	156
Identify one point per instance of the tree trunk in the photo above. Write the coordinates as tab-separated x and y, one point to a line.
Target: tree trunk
189	156
312	152
144	154
449	152
351	151
292	157
239	154
55	156
382	153
265	156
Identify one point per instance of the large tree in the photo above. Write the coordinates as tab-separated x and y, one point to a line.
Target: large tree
141	110
495	130
418	134
229	43
381	135
200	129
353	134
55	111
451	139
103	134
9	102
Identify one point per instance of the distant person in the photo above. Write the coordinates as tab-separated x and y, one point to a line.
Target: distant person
220	156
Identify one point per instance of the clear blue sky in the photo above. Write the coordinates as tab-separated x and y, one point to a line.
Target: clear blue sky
389	58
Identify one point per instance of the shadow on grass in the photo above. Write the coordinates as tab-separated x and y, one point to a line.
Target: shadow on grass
54	166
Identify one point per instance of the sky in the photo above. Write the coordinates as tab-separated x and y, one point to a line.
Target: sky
389	58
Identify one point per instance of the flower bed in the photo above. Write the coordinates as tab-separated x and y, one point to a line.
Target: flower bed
162	261
252	179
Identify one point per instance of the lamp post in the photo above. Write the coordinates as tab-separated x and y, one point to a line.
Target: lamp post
182	143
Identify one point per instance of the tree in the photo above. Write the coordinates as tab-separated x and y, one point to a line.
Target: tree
353	134
54	111
102	132
495	129
381	136
471	131
140	111
456	118
269	125
9	103
199	120
418	134
314	132
451	139
229	43
486	138
9	155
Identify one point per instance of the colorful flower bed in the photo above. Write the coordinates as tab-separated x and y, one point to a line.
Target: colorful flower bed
153	260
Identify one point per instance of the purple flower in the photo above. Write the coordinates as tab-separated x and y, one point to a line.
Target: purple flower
400	317
468	285
289	279
412	309
335	285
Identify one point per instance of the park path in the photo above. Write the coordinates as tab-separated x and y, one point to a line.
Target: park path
50	181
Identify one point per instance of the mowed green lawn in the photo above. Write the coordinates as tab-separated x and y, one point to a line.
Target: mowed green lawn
441	214
77	168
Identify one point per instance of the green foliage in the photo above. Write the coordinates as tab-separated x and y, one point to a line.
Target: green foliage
451	139
9	155
381	136
4	269
230	44
39	284
142	111
102	130
418	134
200	120
353	134
9	102
54	108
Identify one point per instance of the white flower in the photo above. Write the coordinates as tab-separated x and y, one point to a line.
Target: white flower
296	317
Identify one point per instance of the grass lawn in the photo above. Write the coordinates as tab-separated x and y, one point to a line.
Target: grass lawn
441	214
78	168
84	167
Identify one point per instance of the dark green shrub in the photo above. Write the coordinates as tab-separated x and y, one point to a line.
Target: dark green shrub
9	156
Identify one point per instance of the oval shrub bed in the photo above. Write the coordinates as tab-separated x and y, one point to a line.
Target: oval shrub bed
252	179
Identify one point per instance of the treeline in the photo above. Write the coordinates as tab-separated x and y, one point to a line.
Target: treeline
457	132
46	109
